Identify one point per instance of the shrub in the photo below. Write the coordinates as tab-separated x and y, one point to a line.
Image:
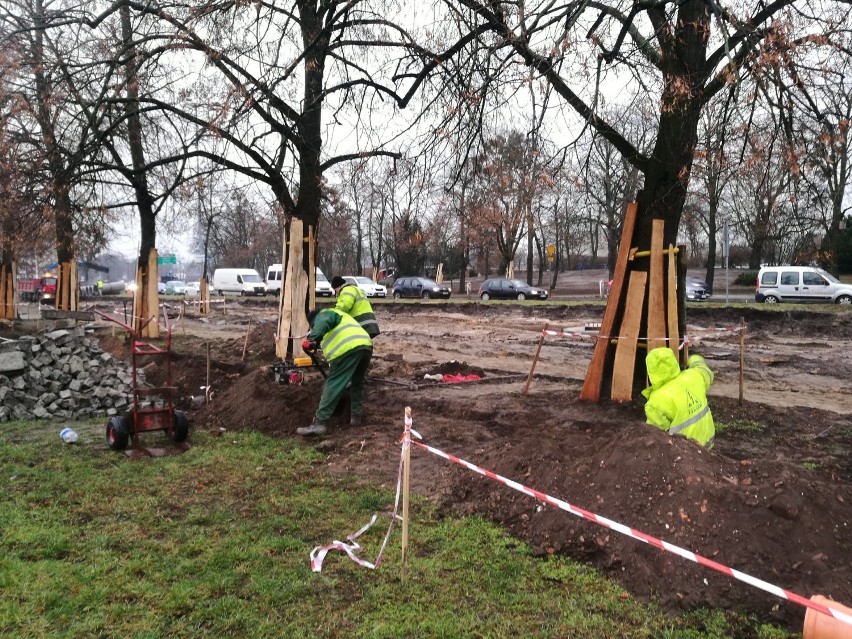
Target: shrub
746	278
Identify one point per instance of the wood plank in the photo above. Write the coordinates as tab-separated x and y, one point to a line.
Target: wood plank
671	306
594	375
656	331
628	337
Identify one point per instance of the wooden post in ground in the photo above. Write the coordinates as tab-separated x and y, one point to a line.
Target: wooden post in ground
628	338
594	375
245	342
8	288
656	330
671	306
204	307
406	474
207	386
535	359
742	357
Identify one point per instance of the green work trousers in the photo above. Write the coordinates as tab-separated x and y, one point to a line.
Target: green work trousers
349	367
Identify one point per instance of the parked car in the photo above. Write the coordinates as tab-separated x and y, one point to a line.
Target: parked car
161	288
242	281
367	285
274	278
800	284
696	289
193	289
503	288
176	287
423	287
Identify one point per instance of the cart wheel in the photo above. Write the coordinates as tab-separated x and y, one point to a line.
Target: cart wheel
117	433
180	427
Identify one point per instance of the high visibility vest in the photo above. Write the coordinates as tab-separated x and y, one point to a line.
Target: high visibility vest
344	337
353	300
679	405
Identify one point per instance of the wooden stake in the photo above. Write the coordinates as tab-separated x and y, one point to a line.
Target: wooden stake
207	387
245	343
535	359
742	357
406	472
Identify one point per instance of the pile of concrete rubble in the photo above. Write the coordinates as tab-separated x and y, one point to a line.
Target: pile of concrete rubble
62	374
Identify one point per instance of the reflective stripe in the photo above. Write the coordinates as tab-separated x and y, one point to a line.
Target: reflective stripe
337	347
368	322
674	430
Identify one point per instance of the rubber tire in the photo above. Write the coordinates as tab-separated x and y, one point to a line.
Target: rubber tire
180	427
397	296
521	297
117	433
770	299
425	295
485	296
844	299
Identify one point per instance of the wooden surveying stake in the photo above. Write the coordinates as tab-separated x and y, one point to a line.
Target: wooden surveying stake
535	359
406	473
641	312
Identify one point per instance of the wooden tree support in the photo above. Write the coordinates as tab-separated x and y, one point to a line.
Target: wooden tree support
639	317
67	287
8	309
296	287
204	307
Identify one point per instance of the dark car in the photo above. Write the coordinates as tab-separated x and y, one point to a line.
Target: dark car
696	289
503	288
423	287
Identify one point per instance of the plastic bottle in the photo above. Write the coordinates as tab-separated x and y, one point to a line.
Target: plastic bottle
69	435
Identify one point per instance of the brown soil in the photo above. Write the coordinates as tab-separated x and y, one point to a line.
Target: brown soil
773	499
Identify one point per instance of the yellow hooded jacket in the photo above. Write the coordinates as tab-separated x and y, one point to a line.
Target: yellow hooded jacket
677	400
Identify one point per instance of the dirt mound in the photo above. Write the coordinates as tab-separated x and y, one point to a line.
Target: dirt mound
773	499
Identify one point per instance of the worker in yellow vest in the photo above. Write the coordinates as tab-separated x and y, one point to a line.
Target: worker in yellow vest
677	400
352	299
348	350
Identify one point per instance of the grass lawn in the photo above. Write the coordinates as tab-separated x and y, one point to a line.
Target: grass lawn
215	542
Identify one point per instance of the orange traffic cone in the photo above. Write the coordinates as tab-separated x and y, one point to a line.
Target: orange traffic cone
819	625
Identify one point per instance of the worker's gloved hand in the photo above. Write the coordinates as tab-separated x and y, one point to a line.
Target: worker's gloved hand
308	346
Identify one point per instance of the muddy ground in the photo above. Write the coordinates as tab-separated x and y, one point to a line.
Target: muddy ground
773	499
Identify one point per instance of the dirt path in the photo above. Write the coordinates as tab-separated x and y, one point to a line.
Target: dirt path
773	499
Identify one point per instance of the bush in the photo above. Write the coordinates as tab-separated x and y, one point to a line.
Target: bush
746	278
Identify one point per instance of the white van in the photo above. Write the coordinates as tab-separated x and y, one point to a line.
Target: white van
800	284
240	281
274	279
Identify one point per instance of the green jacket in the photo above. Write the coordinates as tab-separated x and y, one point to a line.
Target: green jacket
677	400
352	300
339	333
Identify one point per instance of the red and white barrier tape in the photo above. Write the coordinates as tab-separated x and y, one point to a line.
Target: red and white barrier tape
318	553
648	539
687	339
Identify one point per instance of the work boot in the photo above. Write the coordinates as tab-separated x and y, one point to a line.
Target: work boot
355	419
316	428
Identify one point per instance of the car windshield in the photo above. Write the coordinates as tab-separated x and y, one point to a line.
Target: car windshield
427	282
518	283
251	277
828	276
365	280
176	283
321	278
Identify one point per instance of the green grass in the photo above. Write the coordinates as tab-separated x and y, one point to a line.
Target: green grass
214	542
740	425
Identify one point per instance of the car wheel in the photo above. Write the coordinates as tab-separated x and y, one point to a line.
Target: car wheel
844	299
397	295
521	296
425	295
770	299
180	427
485	296
117	433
